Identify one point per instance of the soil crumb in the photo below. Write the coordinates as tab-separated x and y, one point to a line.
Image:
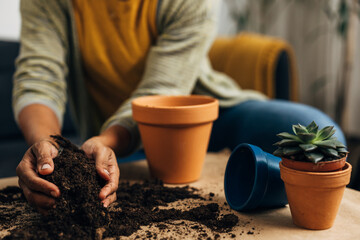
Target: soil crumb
79	213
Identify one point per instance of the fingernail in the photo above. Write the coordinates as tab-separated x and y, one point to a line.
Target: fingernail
53	193
45	166
107	172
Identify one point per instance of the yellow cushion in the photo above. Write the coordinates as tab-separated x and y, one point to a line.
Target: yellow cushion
251	60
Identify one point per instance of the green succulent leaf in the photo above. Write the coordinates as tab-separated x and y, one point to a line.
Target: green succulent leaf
342	150
308	147
339	144
278	152
285	135
289	151
312	127
314	130
306	137
332	133
287	143
325	133
314	157
329	152
299	129
326	144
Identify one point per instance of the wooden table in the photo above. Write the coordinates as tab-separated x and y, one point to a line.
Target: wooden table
267	224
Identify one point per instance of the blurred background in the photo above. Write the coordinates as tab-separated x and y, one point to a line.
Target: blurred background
326	41
325	36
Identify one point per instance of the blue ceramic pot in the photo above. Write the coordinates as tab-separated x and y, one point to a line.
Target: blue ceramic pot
252	179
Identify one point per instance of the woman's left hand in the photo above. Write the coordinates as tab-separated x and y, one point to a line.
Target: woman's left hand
106	166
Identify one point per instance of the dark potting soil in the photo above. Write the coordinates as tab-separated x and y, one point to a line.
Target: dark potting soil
301	157
80	215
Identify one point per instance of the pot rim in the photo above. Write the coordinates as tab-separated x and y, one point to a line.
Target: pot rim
321	180
343	171
259	184
323	166
205	111
138	101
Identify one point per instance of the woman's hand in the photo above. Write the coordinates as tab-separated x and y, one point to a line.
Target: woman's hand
38	160
106	166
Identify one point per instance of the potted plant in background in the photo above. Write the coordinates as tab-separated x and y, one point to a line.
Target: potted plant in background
315	173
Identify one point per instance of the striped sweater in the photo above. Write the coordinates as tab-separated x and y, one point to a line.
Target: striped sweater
49	69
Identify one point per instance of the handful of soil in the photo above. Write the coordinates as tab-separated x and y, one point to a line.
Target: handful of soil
75	175
79	213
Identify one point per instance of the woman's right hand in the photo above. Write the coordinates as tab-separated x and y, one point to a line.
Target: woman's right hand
38	160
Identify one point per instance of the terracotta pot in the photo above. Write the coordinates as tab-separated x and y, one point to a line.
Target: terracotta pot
314	197
326	166
175	131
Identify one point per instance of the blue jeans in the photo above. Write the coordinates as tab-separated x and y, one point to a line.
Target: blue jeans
258	122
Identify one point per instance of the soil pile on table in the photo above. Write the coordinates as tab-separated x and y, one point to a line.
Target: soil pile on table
80	215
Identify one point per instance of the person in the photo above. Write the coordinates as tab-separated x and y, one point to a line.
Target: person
103	54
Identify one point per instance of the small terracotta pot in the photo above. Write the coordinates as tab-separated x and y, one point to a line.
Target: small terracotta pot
326	166
175	131
314	197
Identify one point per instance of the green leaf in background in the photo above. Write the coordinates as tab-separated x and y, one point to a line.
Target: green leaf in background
314	157
308	147
344	14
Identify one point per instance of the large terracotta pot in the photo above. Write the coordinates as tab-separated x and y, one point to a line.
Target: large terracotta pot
314	197
175	131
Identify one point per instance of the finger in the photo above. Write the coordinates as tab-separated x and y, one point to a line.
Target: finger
106	166
104	158
27	173
27	162
100	154
35	183
37	199
103	172
44	152
111	186
110	199
110	166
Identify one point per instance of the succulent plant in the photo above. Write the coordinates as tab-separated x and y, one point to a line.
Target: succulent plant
310	144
